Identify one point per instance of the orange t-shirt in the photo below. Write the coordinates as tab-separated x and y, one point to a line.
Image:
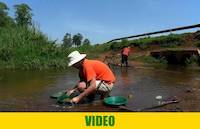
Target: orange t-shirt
96	69
126	51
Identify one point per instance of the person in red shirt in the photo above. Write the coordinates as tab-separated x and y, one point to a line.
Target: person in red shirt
124	55
95	77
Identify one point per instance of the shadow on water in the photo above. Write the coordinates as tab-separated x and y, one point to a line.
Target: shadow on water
30	90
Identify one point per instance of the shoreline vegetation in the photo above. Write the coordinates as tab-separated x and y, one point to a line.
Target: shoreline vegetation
24	46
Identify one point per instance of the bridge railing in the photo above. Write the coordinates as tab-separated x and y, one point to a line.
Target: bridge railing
157	32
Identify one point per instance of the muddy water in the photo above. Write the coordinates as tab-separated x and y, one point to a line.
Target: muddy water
30	90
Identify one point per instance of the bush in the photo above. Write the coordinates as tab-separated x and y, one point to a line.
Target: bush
5	54
171	40
197	35
144	46
28	48
197	43
193	60
150	60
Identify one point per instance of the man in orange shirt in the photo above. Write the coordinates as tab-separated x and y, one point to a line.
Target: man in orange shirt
95	77
125	53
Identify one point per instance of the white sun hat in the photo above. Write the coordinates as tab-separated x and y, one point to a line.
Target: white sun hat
75	57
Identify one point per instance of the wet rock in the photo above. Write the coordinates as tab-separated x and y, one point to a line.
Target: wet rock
188	91
175	98
57	106
194	89
178	109
159	97
191	90
197	79
130	96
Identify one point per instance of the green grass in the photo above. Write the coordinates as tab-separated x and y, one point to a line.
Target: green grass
28	48
194	60
92	51
149	60
169	41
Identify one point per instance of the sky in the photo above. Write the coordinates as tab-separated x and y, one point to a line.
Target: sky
103	20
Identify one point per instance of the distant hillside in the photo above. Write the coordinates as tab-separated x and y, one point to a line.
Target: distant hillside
168	41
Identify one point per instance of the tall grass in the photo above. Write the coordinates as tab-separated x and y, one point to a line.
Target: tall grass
171	40
150	60
92	51
28	48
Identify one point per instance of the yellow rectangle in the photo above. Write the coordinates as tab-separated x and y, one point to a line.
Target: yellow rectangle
77	120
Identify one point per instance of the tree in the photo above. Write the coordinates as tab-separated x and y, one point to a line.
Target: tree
77	39
67	40
86	42
3	9
5	20
23	15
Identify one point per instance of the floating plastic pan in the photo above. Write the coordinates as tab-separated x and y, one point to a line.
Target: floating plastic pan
58	94
64	98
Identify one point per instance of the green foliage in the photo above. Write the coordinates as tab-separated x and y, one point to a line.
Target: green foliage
23	15
28	48
3	10
86	42
163	41
193	60
171	40
119	45
92	51
116	46
150	59
144	46
3	13
77	39
23	46
5	54
3	6
124	42
5	20
67	40
197	43
197	35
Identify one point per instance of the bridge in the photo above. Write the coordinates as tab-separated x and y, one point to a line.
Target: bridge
157	32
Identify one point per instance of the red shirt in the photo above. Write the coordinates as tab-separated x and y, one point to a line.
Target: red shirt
126	51
96	69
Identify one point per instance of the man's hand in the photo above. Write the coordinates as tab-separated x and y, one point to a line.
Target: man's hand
75	99
88	91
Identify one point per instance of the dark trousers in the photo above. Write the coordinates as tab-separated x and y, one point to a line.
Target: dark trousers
124	59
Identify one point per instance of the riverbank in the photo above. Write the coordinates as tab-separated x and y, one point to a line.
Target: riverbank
28	48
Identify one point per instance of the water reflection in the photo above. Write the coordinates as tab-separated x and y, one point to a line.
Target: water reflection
30	90
125	78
